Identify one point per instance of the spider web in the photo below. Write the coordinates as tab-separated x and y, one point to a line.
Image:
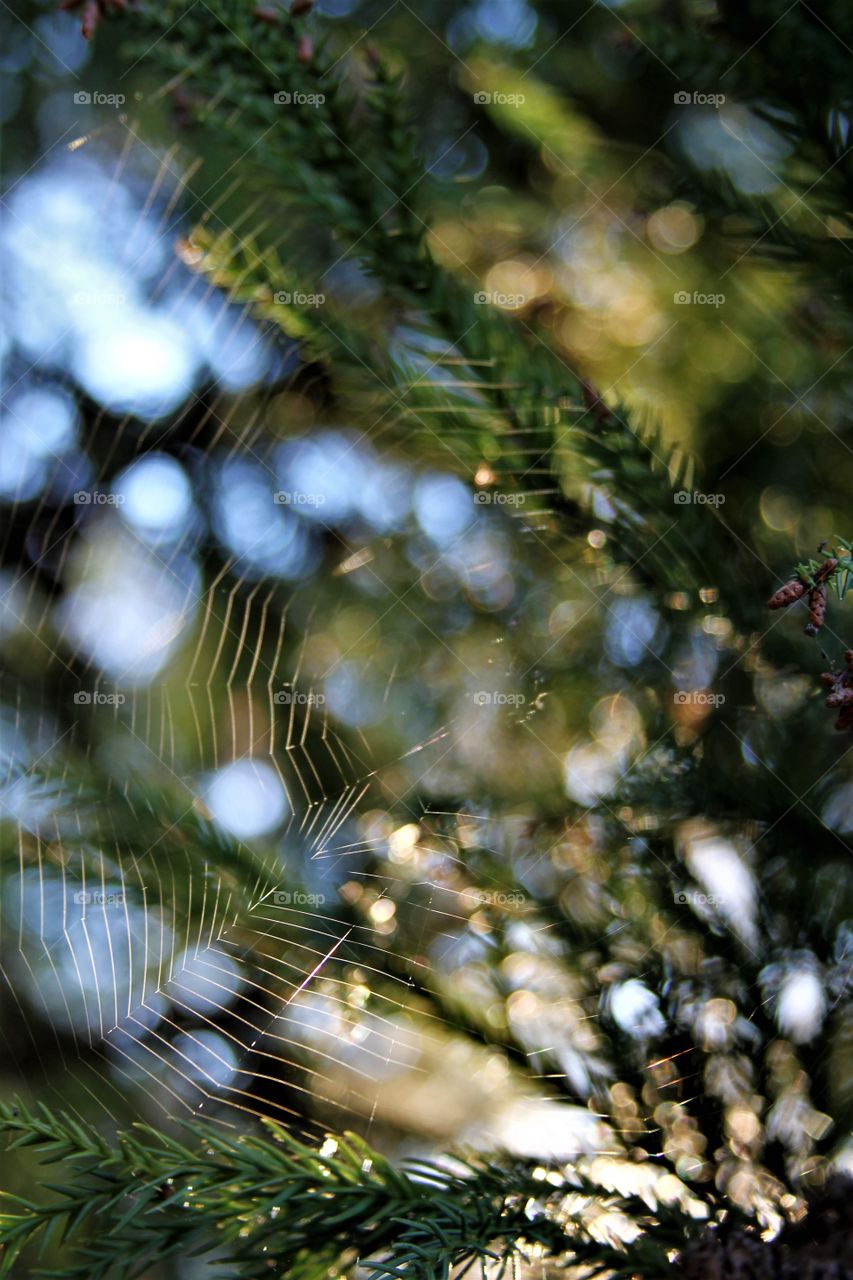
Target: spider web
259	870
170	956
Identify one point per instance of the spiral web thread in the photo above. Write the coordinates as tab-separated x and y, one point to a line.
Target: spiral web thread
187	981
203	990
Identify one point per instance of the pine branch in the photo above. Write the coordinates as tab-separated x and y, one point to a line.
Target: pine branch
748	51
350	166
251	1199
333	132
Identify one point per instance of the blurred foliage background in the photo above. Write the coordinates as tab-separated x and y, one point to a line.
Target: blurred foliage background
395	738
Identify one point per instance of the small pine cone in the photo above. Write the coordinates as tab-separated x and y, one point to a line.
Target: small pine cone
300	7
817	610
828	567
305	49
91	19
829	678
787	595
845	720
92	12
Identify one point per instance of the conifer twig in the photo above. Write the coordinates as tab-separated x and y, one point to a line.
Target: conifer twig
268	1202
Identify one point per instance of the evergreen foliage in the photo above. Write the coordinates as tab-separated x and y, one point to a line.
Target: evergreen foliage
353	182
